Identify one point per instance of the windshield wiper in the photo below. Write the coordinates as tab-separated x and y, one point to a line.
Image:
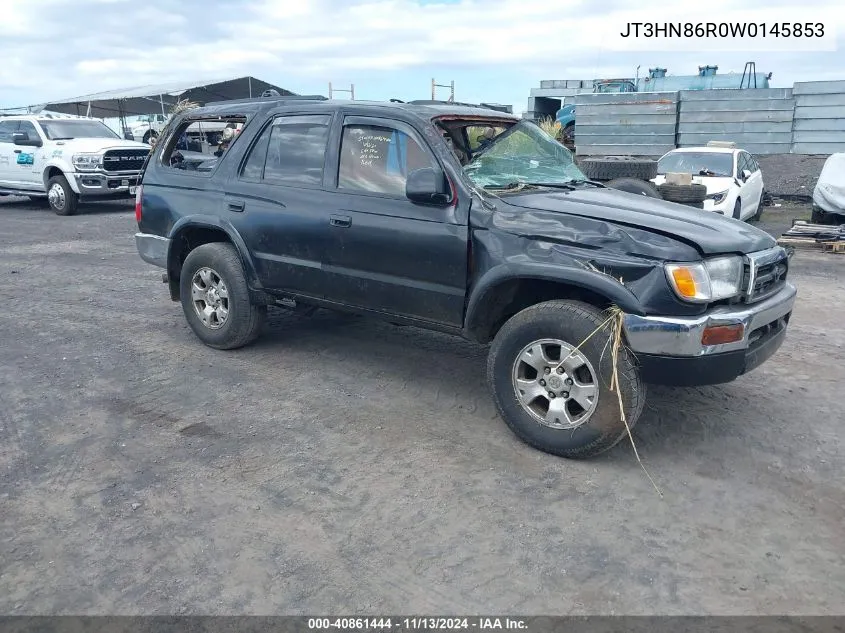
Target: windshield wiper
553	185
516	184
62	138
574	182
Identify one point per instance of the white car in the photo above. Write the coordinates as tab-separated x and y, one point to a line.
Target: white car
63	160
732	176
829	192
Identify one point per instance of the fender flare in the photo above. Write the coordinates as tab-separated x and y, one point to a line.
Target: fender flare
591	280
67	172
212	222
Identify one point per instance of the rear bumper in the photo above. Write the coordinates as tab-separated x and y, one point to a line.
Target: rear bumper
669	350
153	249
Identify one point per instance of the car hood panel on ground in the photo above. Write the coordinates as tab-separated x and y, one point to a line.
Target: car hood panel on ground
711	233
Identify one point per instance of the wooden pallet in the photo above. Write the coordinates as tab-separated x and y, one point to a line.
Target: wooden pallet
834	247
799	242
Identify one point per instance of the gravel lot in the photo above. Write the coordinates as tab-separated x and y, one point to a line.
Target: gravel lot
348	466
791	174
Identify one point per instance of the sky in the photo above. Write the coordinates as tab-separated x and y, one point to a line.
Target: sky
494	50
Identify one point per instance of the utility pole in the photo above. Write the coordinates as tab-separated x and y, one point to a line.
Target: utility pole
351	91
435	86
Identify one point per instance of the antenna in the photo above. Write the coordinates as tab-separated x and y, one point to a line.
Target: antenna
435	86
351	91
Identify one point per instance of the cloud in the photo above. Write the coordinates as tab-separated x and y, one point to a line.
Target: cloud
61	48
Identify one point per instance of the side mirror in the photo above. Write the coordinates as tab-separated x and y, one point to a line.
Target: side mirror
22	139
428	186
745	175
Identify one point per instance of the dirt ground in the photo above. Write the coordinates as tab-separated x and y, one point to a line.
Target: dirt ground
348	466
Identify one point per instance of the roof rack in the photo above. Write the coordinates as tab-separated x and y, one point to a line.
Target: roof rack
269	99
484	106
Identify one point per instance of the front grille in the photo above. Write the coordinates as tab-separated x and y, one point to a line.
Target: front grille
765	274
124	159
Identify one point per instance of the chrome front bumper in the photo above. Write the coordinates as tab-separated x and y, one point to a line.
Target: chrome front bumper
681	336
97	183
152	248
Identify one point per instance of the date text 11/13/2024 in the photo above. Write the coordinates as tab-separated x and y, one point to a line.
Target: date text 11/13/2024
419	623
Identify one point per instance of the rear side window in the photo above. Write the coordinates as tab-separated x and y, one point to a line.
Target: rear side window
378	159
7	129
290	151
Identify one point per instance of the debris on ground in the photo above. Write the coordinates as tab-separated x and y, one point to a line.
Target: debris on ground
807	235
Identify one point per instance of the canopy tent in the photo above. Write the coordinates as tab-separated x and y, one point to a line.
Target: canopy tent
158	99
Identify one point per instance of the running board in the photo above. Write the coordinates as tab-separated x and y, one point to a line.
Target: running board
22	192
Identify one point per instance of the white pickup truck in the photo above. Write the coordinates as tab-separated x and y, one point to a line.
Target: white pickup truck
65	160
146	128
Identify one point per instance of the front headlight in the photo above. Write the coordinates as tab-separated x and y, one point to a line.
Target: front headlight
717	197
710	280
87	162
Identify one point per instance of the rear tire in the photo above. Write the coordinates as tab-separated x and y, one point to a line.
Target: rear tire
632	185
514	382
62	199
215	297
612	167
759	212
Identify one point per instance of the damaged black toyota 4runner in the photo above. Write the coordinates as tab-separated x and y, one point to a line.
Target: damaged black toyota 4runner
468	221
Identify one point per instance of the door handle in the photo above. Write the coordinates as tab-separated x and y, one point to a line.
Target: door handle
236	205
341	221
17	151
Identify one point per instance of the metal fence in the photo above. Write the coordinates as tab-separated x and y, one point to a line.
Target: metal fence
819	121
630	123
759	121
806	119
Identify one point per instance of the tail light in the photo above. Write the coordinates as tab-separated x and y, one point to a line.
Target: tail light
138	193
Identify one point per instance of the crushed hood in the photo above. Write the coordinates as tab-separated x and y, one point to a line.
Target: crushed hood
710	233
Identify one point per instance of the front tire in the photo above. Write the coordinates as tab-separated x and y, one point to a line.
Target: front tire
738	209
215	297
62	199
555	397
817	216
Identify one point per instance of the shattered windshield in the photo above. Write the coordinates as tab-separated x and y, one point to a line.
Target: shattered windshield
524	154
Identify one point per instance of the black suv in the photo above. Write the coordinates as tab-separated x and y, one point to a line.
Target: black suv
469	221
